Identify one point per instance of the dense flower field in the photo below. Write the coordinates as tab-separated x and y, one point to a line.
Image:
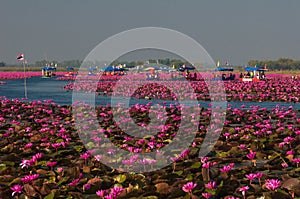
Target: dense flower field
20	75
257	154
274	89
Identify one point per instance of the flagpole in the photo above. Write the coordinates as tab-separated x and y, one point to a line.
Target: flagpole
25	86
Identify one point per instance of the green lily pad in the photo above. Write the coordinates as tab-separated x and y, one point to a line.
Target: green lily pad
2	166
49	196
120	178
196	165
9	163
65	179
178	172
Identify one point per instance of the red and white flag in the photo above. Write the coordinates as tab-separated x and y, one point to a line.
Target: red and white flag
20	57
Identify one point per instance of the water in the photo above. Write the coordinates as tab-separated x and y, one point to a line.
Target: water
50	89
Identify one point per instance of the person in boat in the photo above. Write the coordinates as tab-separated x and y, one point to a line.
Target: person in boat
195	76
263	76
241	75
223	76
248	74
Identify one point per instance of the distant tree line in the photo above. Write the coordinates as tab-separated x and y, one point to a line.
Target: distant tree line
168	62
73	63
2	64
280	64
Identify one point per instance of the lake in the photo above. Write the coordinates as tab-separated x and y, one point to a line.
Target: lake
48	88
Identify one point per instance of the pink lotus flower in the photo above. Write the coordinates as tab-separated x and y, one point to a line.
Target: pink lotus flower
243	190
74	182
291	152
227	168
28	146
37	156
25	163
116	191
86	187
16	189
251	155
272	184
101	193
297	161
251	177
98	157
206	195
85	156
51	164
188	187
60	169
284	165
211	185
29	178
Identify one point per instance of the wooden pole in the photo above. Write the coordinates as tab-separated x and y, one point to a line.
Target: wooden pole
25	86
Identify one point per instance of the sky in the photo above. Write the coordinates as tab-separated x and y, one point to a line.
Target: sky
233	30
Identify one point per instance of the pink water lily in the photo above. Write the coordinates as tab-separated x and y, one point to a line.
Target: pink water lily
243	190
17	189
272	184
188	187
29	178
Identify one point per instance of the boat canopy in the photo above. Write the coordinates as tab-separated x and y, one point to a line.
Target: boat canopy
49	68
224	69
92	69
255	69
70	68
251	69
183	68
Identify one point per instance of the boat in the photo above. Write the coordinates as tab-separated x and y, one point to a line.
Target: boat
70	72
48	71
254	74
231	76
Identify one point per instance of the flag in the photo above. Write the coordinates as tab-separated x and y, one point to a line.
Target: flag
20	57
227	63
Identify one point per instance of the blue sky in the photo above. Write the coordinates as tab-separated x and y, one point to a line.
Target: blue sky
231	30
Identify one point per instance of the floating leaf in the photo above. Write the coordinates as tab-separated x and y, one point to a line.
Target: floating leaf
59	140
196	165
9	163
15	181
222	154
2	166
78	148
49	196
65	179
120	178
189	177
178	172
51	179
90	145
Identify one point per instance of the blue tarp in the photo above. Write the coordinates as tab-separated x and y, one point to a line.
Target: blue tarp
183	68
92	69
251	69
109	68
70	68
224	69
48	68
255	69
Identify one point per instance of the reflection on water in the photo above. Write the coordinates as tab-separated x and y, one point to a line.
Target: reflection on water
48	88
